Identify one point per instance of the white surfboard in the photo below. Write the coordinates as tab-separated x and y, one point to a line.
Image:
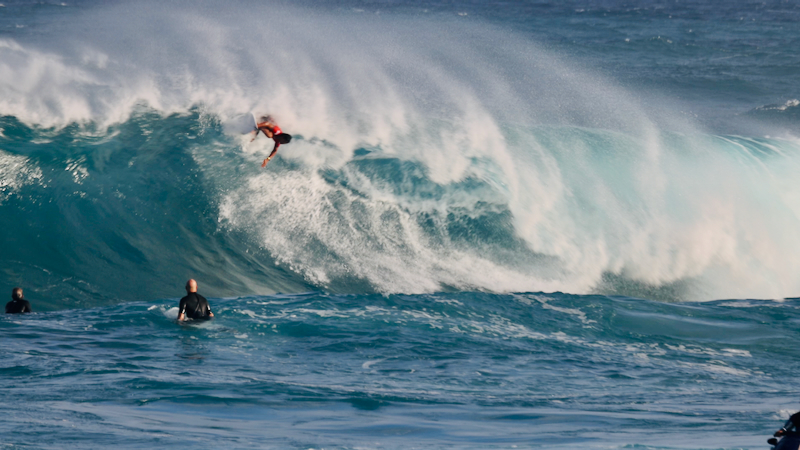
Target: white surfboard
243	124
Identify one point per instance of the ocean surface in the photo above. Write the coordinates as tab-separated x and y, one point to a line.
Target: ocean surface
529	224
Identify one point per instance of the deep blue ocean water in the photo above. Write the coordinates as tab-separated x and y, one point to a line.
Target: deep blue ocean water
527	224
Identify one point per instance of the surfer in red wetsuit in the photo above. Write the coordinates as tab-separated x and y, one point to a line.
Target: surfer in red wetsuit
267	125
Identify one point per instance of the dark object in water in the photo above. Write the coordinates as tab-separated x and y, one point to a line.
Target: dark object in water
788	437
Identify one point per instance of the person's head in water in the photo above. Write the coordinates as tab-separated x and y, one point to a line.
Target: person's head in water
18	304
191	286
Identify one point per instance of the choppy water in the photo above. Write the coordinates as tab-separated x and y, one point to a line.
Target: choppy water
497	225
403	371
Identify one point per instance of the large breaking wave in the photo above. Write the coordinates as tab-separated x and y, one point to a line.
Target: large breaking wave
428	155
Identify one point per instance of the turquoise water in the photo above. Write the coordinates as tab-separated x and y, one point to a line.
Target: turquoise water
498	225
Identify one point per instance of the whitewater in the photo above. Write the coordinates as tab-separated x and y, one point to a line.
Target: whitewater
498	225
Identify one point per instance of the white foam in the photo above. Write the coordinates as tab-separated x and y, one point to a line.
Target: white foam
370	363
171	313
789	104
717	367
696	350
545	302
16	171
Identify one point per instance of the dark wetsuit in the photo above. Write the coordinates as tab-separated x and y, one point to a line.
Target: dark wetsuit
195	306
18	306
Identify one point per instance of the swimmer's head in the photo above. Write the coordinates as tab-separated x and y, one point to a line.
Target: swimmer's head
191	286
16	293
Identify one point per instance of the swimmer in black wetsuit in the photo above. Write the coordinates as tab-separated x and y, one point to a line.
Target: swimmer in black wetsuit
194	305
18	304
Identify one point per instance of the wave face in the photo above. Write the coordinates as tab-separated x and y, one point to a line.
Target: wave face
426	158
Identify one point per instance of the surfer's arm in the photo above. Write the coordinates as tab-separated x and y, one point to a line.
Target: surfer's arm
274	150
182	311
